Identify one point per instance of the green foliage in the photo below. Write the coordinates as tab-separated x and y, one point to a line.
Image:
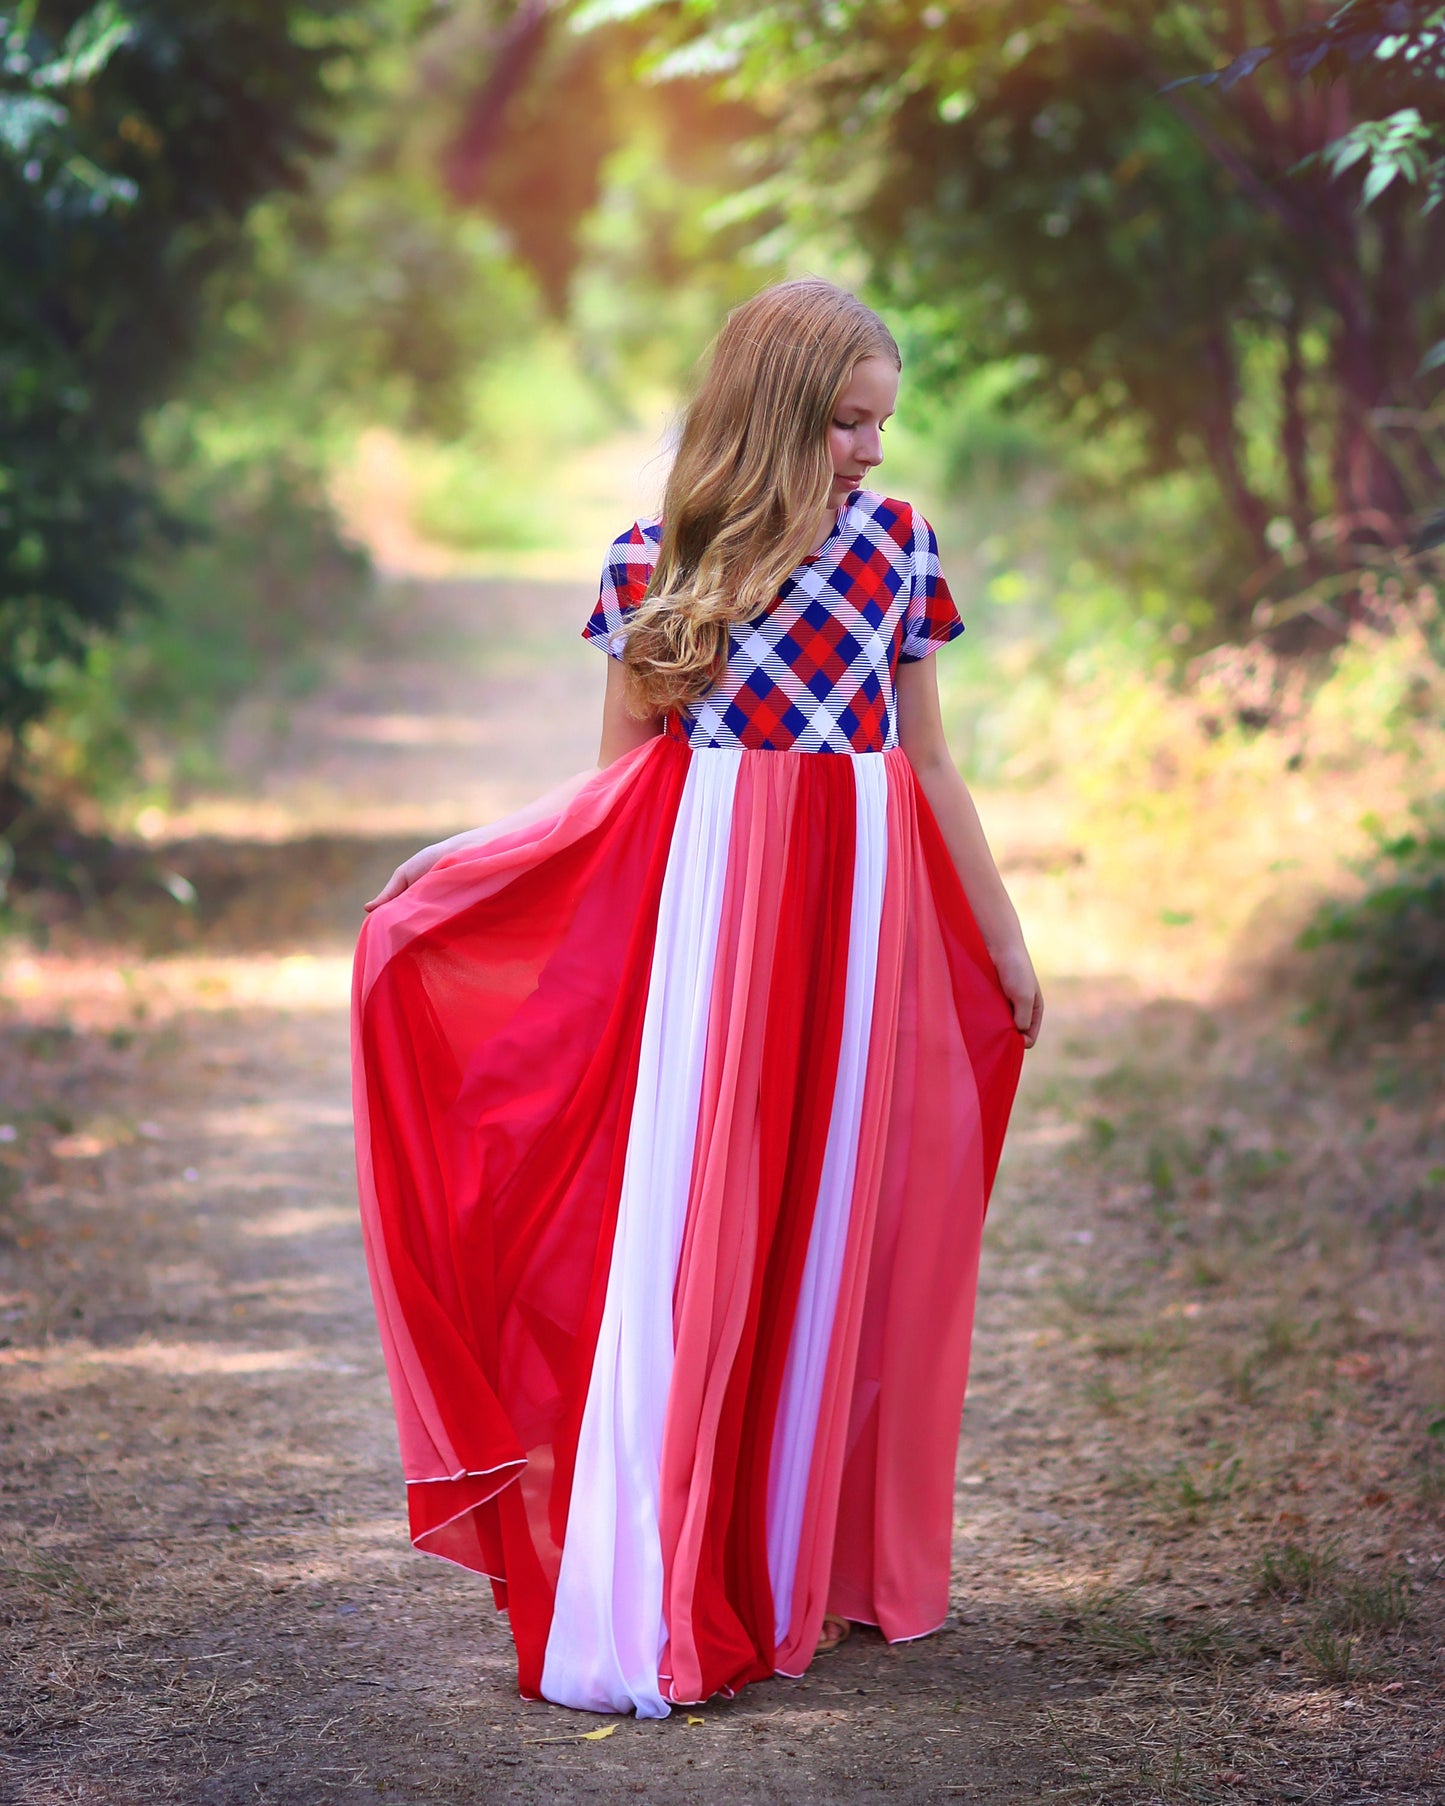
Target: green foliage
613	192
1401	146
244	601
1407	37
1392	936
363	303
135	135
1027	183
365	297
1054	543
493	487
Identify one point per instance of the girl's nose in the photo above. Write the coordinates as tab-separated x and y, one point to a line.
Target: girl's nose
872	450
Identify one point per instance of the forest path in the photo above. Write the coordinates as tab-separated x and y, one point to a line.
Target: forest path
208	1593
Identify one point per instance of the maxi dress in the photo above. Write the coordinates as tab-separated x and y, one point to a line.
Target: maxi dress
678	1101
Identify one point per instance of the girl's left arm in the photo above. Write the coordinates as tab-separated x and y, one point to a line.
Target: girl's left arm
920	733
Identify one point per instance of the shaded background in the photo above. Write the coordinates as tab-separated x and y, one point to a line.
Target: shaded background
336	341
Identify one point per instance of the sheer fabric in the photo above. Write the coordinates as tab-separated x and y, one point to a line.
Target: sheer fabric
678	1103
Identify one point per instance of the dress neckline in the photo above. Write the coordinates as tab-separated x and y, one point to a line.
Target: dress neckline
836	529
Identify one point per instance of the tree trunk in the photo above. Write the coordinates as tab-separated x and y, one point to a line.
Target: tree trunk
1370	500
1294	441
1220	427
519	44
15	800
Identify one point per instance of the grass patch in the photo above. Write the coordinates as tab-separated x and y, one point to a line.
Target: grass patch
1086	1299
1362	1607
62	1581
1204	1273
1254	1169
1431	1482
1155	1348
1102	1134
1347	1610
1329	1654
1196	1491
1106	1623
1159	1172
1207	1645
1100	1392
1283	1336
1295	1571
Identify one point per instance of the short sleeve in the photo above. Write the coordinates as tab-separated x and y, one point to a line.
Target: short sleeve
625	576
930	620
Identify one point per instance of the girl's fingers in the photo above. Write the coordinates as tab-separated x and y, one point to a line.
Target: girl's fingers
1036	1019
406	874
393	887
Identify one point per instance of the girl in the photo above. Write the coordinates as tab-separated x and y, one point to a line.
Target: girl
679	1097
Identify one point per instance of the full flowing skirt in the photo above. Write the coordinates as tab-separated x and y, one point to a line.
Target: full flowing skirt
678	1102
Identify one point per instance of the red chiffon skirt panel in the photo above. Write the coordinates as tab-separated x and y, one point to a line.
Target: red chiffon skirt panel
678	1102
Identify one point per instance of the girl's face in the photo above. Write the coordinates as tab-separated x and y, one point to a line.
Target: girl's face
854	444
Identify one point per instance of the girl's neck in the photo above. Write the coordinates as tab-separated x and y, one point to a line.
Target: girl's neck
823	526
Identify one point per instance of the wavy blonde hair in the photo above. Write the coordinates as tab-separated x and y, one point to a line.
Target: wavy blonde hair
751	475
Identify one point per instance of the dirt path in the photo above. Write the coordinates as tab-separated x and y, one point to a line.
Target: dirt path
1198	1531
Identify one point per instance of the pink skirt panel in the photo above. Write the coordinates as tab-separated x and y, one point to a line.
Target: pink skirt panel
854	1064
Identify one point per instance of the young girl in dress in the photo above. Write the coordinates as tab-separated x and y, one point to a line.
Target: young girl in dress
679	1097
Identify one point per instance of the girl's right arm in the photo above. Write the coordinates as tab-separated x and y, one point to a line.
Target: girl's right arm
621	733
407	873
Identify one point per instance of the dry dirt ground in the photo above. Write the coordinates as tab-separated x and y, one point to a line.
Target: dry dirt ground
1199	1529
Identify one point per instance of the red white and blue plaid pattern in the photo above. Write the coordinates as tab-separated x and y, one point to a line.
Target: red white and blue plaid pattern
813	672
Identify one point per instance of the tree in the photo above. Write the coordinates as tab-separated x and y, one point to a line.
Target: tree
541	112
1030	181
135	135
1401	147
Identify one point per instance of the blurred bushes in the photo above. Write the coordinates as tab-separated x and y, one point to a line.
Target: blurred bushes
1378	952
1124	404
493	486
1389	941
135	136
1213	798
1192	281
1122	716
235	205
257	588
365	300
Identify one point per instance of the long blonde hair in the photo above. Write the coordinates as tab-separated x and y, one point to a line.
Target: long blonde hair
750	477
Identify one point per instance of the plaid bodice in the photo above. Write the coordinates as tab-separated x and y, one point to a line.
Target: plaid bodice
813	672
